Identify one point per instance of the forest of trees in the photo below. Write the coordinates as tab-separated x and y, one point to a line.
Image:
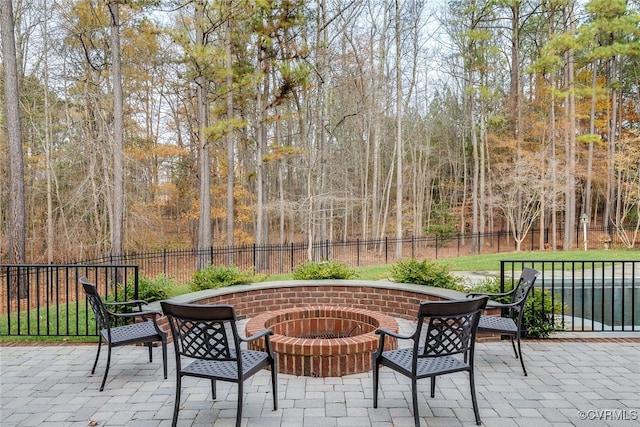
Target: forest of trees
145	124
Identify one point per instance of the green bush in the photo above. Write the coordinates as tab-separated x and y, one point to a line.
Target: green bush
149	290
217	277
324	270
535	323
426	273
156	289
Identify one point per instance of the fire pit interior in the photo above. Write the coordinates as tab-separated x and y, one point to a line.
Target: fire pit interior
323	341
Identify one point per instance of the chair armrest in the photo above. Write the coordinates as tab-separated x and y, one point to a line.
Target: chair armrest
502	305
266	333
384	332
491	295
137	302
144	315
137	314
263	333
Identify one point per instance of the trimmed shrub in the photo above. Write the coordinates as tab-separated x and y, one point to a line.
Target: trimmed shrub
324	270
149	290
426	273
214	277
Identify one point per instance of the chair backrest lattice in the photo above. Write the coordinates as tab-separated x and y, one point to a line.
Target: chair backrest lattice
451	327
99	310
206	332
204	339
523	288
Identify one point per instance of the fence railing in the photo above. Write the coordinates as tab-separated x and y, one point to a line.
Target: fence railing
279	259
44	299
585	295
47	299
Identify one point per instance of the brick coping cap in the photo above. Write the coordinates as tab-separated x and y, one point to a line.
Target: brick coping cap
384	284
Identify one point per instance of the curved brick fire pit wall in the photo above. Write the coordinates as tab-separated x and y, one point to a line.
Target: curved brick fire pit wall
392	299
323	341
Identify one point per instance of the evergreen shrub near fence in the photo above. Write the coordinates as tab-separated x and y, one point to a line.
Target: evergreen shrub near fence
324	270
427	273
213	277
150	290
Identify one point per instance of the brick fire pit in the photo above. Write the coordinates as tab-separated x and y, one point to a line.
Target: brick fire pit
323	341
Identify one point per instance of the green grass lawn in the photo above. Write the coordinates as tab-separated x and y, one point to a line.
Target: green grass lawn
491	262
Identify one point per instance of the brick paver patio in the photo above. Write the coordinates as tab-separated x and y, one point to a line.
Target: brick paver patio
571	382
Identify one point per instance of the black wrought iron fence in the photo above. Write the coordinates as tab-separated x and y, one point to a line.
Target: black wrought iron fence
47	300
585	296
279	259
42	299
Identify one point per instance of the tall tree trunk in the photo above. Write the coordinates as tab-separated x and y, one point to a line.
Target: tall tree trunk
375	137
117	221
16	214
229	136
514	89
592	130
475	182
570	143
618	131
47	138
400	149
552	149
204	221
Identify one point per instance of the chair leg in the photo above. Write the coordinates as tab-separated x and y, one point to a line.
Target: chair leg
106	371
433	386
274	383
93	370
375	382
164	357
513	344
473	397
521	358
414	396
239	411
213	389
149	346
176	406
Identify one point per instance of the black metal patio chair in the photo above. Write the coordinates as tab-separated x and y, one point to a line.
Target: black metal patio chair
445	348
207	336
143	328
512	303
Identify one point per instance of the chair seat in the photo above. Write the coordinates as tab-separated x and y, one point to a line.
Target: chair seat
136	332
227	370
401	359
498	324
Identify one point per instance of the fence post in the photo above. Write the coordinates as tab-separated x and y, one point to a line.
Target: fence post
436	246
291	257
386	250
532	239
254	254
358	252
164	262
413	247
